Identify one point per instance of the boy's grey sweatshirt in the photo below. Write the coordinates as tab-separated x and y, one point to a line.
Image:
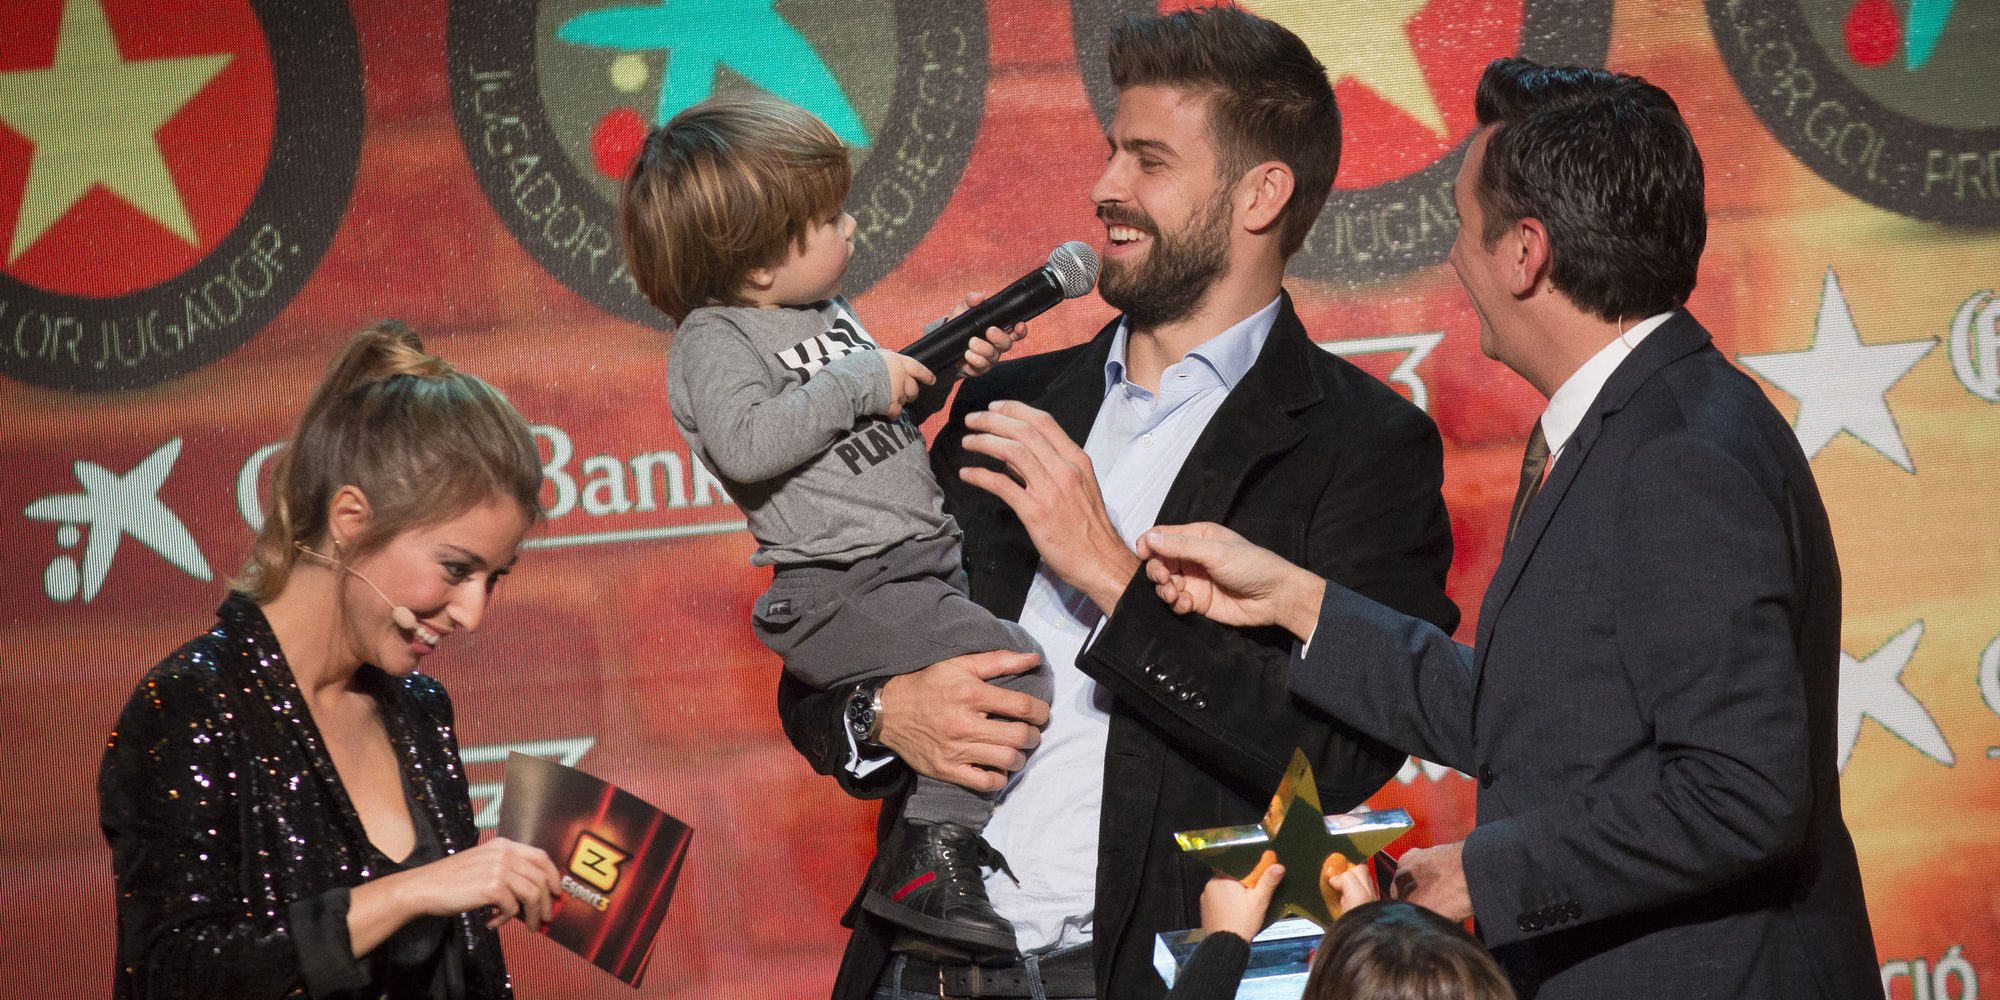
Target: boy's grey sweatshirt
775	402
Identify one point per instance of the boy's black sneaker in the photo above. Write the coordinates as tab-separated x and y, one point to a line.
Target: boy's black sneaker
929	877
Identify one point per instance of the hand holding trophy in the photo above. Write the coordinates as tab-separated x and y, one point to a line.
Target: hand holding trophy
1251	894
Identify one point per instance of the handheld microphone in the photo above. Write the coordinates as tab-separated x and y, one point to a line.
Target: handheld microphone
1071	271
404	618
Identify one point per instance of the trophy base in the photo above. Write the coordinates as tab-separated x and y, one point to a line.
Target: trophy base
1280	958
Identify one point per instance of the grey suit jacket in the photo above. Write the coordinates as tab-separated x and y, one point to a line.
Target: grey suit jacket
1649	706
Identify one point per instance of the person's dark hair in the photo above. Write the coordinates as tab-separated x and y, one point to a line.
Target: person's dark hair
1606	163
423	442
1391	950
1268	98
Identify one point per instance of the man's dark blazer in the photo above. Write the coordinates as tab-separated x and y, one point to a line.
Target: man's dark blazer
1308	455
1649	706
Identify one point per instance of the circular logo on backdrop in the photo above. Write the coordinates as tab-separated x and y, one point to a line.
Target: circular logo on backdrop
1404	72
170	173
553	99
1892	102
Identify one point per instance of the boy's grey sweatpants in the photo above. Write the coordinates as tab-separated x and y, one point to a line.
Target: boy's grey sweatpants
892	613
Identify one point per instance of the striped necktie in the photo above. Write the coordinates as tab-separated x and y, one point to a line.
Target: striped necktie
1533	464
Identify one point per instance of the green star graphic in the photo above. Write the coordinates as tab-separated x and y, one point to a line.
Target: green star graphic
748	36
1302	839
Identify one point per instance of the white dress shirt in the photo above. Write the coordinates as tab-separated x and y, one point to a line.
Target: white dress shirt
1572	400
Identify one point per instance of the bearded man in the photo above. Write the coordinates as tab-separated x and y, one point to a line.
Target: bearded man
1205	400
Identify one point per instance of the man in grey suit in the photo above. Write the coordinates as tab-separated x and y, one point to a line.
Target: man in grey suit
1649	704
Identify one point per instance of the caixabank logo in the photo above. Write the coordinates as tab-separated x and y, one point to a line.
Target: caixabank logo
554	97
170	174
1891	102
1405	72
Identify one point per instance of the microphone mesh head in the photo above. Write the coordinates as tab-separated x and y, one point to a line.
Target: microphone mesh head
1075	266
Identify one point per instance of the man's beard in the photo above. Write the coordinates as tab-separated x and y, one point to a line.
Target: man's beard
1178	270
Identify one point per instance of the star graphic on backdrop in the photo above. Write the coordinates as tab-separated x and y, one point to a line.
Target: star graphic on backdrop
748	36
91	116
1873	687
1367	41
1842	384
114	506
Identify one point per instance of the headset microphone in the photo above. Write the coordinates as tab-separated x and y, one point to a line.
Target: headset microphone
404	618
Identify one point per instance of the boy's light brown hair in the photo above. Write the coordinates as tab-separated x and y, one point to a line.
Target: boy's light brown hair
1393	950
729	185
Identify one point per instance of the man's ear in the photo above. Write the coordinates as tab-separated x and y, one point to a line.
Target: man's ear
1532	257
348	514
1262	194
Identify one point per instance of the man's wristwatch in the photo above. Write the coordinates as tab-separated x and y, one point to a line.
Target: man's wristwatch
864	713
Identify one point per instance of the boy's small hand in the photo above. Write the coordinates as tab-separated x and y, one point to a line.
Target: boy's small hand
982	352
906	379
1353	886
1229	905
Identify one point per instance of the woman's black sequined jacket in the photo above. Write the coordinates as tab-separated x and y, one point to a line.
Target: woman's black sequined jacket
233	841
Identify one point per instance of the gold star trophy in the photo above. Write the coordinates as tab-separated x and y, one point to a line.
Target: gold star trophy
1302	839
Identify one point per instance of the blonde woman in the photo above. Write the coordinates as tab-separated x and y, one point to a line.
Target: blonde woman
283	796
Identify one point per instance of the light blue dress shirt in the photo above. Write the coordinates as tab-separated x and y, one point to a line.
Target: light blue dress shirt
1046	824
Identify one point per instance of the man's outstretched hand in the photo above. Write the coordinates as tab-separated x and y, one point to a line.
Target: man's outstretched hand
1209	570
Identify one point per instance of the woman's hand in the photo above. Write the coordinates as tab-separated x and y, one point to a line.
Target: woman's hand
1229	905
513	879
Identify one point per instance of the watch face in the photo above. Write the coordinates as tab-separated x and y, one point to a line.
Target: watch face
860	712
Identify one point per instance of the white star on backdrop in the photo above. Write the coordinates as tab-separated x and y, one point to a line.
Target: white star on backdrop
1842	384
1873	687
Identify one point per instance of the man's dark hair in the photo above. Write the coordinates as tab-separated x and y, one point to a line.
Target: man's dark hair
1608	166
1268	98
